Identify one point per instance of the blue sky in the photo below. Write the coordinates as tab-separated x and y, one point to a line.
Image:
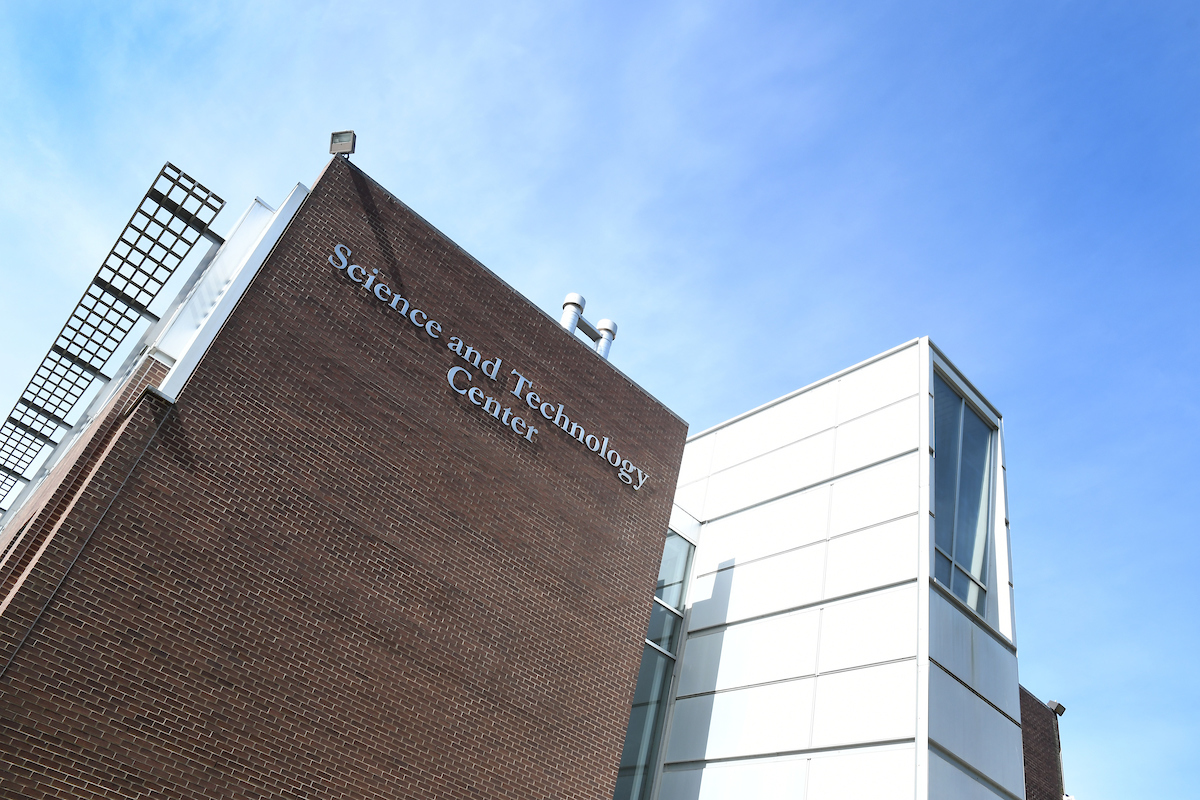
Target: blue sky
759	194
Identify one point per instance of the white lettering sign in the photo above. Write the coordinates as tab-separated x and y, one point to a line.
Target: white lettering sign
461	377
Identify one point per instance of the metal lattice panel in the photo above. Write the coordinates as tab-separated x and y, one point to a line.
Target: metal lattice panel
170	220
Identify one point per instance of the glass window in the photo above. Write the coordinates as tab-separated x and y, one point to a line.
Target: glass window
664	625
639	758
962	476
677	552
635	777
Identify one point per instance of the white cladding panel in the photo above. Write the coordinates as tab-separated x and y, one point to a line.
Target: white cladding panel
799	675
949	781
791	467
785	524
773	584
744	722
697	458
972	655
879	384
878	627
796	577
885	774
772	779
783	423
772	649
877	556
872	704
875	495
976	733
861	631
877	436
691	497
874	774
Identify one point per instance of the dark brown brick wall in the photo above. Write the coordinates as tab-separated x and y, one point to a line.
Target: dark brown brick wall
1043	757
42	533
329	575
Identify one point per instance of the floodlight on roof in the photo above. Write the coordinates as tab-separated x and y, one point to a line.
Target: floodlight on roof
341	143
1057	707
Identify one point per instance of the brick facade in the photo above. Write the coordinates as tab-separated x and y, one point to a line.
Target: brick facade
325	573
1043	756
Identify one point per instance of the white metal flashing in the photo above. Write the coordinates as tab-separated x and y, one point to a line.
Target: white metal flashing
924	562
201	324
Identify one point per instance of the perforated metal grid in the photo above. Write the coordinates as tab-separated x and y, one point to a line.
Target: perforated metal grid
171	218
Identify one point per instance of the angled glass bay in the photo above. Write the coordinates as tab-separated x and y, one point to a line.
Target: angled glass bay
962	473
947	416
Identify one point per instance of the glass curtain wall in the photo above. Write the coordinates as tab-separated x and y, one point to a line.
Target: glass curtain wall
639	759
962	475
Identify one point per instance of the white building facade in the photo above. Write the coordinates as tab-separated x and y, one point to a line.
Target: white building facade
848	628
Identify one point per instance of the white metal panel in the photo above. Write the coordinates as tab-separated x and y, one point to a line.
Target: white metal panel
697	456
949	781
877	556
805	389
684	524
772	649
878	384
873	704
778	583
884	774
877	436
960	645
803	463
1003	550
765	778
789	421
764	719
691	497
924	553
877	627
764	530
962	723
207	292
199	342
875	495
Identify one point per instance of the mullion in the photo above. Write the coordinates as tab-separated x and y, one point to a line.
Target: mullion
668	607
957	481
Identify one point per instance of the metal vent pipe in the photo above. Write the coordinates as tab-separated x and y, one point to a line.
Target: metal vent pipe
602	333
572	310
608	331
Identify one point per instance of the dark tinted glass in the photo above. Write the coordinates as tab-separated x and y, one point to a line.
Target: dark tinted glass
970	546
960	585
645	726
663	628
941	568
672	572
969	592
947	413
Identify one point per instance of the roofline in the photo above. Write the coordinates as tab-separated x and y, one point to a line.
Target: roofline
503	282
803	389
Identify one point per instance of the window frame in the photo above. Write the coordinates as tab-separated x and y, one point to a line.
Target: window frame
971	399
674	658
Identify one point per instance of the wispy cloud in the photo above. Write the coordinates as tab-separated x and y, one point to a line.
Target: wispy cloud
759	194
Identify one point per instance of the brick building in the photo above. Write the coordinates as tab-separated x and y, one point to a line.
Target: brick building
311	542
356	519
